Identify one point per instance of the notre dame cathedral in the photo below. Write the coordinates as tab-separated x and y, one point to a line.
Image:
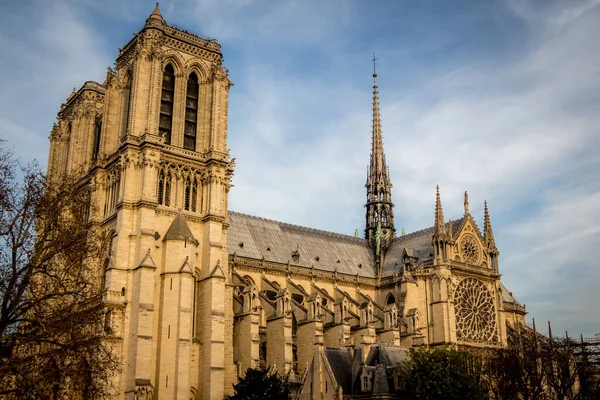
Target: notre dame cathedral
195	293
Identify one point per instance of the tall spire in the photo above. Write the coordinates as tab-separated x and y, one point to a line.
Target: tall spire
378	169
379	186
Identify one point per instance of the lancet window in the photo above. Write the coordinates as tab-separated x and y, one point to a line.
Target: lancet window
164	188
112	193
191	194
166	104
97	133
191	113
127	92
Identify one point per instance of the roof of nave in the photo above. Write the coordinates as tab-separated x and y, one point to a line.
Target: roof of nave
417	244
507	295
255	237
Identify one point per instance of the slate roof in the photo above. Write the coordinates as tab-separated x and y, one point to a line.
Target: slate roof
507	295
387	354
256	237
417	244
341	365
179	230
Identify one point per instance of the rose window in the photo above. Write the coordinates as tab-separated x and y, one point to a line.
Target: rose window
470	249
475	311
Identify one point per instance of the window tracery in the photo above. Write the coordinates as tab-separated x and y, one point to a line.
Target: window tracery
470	249
475	311
111	195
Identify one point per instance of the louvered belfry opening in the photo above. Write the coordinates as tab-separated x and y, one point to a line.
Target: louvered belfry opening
191	113
166	104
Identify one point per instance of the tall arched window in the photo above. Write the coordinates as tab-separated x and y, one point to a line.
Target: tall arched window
68	147
161	187
194	194
191	113
188	194
97	133
166	104
127	104
164	188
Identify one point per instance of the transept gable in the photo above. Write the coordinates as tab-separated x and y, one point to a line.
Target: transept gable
469	244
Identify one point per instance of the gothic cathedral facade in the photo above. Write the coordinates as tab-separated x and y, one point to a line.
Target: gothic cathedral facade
195	293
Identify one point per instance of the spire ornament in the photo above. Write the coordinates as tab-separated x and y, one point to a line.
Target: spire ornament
440	238
155	18
488	238
488	234
379	229
466	203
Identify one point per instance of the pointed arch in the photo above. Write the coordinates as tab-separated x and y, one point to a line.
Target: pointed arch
390	299
166	103
174	59
199	69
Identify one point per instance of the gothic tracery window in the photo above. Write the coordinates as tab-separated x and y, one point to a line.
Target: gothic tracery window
191	113
166	103
97	133
127	93
470	249
475	311
164	188
194	194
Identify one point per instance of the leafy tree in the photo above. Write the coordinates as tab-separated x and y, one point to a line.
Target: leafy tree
259	384
442	373
52	342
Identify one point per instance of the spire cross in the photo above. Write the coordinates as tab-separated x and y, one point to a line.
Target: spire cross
374	59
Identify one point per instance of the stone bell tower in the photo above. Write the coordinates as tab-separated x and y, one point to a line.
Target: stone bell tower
150	146
379	229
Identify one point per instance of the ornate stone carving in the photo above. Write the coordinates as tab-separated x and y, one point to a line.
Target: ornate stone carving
475	311
470	249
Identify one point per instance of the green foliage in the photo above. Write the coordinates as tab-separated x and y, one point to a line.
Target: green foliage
442	373
259	384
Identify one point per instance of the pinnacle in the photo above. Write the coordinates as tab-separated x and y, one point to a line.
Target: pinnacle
488	234
440	226
155	17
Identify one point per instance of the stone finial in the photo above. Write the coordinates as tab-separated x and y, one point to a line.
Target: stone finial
155	18
466	203
439	226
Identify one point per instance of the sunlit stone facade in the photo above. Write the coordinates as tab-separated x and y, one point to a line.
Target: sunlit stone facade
196	294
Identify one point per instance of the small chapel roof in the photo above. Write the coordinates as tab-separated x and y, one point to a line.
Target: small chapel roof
255	237
340	362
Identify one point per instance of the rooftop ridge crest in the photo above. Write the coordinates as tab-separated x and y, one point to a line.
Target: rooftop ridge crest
300	227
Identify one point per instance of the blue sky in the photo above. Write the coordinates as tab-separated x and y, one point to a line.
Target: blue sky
500	98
